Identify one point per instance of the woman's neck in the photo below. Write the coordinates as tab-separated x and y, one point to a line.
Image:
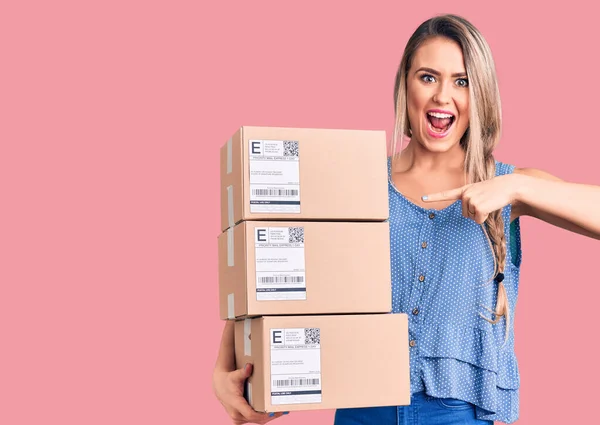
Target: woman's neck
415	158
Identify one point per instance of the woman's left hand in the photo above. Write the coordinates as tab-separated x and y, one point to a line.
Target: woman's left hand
482	198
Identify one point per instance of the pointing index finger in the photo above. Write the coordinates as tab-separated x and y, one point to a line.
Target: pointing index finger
446	195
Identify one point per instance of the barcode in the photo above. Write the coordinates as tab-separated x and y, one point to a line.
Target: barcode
275	192
284	279
295	382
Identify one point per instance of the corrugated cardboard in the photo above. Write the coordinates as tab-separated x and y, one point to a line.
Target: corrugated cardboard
359	361
303	174
346	268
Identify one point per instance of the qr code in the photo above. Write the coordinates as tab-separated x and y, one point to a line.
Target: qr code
290	148
312	336
296	234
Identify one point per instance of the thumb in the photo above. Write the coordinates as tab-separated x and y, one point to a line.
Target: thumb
243	373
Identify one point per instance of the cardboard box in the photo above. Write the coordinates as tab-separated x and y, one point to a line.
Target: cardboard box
275	173
283	267
324	362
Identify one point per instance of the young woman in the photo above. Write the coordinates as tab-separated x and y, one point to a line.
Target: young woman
455	238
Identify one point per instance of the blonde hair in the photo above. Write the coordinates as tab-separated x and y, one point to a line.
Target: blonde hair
483	132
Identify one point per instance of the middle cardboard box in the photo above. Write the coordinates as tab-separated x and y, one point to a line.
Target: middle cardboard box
297	268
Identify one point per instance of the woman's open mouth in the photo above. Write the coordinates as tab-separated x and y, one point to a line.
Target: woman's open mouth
439	123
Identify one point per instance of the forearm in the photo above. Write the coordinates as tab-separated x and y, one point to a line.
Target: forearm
226	357
575	203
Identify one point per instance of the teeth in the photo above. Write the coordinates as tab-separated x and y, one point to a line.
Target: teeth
440	115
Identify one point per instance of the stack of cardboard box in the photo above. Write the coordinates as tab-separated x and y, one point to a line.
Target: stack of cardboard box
304	269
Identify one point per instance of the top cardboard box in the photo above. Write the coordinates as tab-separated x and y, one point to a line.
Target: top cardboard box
278	173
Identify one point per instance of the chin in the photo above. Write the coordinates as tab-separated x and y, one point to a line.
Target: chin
438	146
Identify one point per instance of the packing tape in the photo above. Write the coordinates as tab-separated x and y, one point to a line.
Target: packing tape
229	157
230	306
230	205
247	341
230	247
250	393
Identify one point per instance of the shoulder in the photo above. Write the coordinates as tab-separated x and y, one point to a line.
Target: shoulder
536	172
505	168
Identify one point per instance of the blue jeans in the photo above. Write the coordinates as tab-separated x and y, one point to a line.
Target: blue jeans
423	410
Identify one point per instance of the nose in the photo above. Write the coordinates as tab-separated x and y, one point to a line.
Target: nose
442	94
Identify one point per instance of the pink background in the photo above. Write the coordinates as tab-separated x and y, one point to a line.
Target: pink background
112	116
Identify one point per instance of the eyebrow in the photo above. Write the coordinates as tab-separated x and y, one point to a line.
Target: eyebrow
434	72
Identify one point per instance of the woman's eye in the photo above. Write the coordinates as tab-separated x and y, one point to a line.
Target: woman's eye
462	82
427	78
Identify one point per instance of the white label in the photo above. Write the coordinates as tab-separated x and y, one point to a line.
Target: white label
274	176
295	366
280	273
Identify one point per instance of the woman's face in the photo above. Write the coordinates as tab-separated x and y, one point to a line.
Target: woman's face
438	95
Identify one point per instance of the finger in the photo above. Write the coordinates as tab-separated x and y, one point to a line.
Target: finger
465	208
242	374
237	418
249	413
446	195
476	208
480	218
276	415
483	211
469	208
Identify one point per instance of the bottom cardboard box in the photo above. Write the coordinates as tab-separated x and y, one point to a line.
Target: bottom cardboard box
324	362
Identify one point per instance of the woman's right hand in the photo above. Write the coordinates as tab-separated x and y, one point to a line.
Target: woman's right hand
229	389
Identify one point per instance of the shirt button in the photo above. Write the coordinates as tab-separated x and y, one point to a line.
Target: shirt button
432	216
412	343
415	311
424	245
421	278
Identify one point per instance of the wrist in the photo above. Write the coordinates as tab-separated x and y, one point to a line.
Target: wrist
220	370
522	187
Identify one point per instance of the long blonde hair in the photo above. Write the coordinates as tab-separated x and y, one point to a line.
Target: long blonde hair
483	132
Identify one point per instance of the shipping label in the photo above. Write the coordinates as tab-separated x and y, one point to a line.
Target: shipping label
280	264
295	366
274	176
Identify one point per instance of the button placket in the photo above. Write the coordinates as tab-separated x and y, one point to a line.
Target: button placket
423	256
417	293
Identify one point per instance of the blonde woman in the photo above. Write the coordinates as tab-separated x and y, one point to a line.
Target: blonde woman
455	237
